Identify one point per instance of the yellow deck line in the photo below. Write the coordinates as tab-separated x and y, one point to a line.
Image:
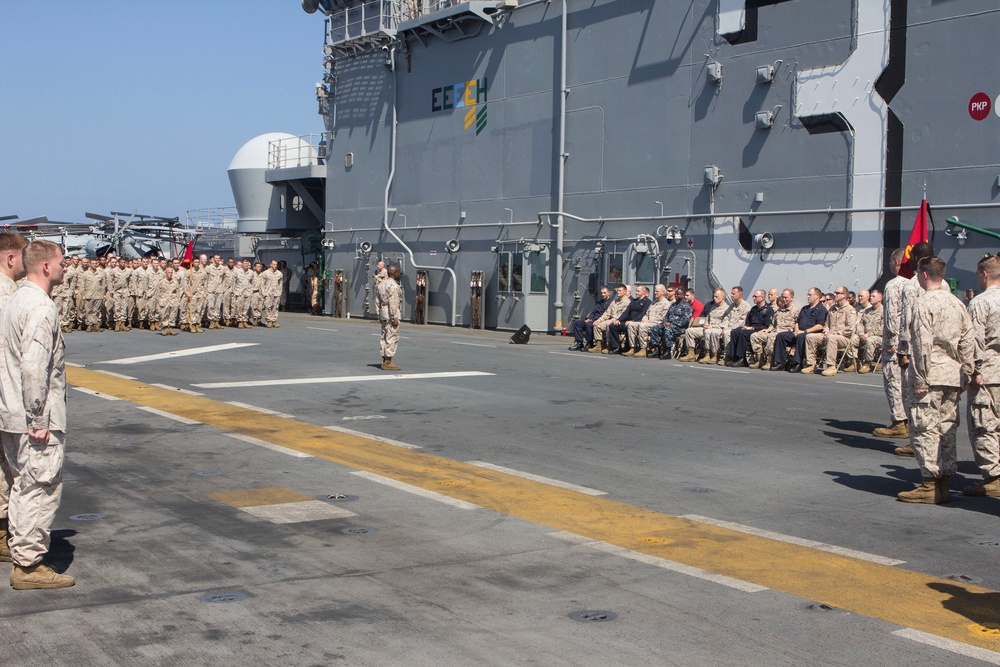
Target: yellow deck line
941	607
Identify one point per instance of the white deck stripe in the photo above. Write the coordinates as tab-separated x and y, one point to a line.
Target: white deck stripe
673	566
320	329
388	441
538	478
812	544
416	490
117	375
347	378
582	355
361	418
176	418
715	367
950	645
97	394
269	445
860	384
178	353
183	391
455	342
265	411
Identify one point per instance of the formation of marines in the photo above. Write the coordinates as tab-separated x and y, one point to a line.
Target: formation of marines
165	295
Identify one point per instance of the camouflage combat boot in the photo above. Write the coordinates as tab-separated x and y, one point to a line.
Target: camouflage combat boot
989	487
4	546
932	491
690	356
905	450
709	358
387	365
37	577
865	368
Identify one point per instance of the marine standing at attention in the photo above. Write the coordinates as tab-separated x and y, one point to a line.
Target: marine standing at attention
388	294
942	347
33	415
984	385
11	270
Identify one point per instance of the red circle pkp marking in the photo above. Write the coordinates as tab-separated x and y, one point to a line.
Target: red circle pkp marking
979	106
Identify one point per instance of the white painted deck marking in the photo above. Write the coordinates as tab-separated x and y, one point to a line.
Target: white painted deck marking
416	490
455	342
321	329
715	367
176	418
538	478
70	363
950	645
388	441
680	568
178	353
582	355
299	512
117	375
247	406
97	394
268	445
339	379
361	418
183	391
812	544
861	384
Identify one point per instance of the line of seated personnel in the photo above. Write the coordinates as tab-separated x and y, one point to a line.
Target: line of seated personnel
833	331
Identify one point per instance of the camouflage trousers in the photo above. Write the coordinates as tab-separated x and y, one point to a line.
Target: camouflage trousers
667	334
714	339
120	306
214	306
270	308
67	309
227	305
389	339
241	307
984	428
892	381
638	334
35	491
869	350
167	311
934	424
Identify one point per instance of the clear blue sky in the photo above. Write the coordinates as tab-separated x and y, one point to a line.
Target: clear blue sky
141	104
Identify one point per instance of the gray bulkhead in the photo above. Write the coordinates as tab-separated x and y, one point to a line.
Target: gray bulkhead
644	119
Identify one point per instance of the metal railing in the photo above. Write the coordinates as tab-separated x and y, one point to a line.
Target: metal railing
373	17
302	151
218	217
363	19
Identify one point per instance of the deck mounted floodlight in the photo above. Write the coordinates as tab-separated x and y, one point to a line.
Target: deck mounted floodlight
765	73
641	248
365	247
713	175
714	72
764	120
452	246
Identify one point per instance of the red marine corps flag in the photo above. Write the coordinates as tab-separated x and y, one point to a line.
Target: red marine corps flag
189	253
918	235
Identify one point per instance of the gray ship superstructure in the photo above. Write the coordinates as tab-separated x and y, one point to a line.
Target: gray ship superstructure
513	156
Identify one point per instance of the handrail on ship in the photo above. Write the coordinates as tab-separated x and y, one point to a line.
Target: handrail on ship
761	214
305	150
